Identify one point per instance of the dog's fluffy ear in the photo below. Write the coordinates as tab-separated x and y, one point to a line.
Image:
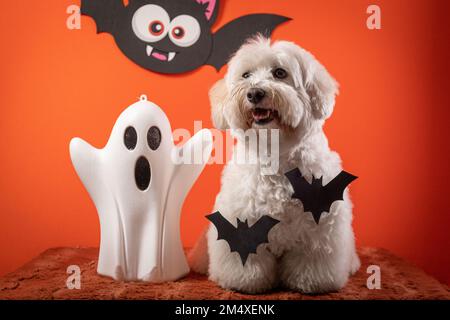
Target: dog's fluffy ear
217	96
320	86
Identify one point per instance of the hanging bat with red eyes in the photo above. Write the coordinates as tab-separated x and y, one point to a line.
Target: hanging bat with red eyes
315	197
174	36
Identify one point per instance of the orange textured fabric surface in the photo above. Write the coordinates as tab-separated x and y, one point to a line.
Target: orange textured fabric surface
45	278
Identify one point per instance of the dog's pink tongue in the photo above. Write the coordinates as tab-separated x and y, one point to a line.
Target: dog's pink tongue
261	114
159	56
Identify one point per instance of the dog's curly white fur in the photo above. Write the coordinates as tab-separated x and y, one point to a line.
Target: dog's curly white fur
301	255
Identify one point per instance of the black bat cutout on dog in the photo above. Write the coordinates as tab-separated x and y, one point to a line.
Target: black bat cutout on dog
315	197
174	36
243	239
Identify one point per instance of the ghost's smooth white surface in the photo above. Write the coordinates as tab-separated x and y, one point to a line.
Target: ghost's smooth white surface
138	190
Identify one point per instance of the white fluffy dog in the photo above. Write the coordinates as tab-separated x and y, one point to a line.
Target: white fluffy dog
279	86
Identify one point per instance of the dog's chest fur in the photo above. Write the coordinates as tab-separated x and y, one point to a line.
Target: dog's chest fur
248	194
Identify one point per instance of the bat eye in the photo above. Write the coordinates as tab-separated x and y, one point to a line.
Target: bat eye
154	138
185	31
130	138
178	33
150	23
280	73
156	28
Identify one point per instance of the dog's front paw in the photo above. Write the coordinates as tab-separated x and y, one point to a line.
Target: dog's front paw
313	284
258	275
312	275
253	278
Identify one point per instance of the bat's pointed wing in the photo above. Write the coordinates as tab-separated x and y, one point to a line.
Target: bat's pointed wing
250	238
334	190
303	190
233	35
243	240
225	230
315	198
308	194
259	232
316	215
104	12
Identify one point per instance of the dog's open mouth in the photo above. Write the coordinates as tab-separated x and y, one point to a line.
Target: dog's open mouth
159	54
263	116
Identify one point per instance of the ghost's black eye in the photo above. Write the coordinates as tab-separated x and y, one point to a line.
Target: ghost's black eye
246	75
154	138
130	138
280	73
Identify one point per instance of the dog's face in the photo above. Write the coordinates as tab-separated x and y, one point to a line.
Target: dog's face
273	86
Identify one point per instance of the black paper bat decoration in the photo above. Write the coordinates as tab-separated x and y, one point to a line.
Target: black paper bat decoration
315	197
174	36
243	239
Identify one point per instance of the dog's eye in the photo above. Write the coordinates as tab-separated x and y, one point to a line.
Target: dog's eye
246	75
280	73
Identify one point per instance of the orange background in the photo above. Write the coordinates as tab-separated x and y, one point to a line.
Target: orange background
389	125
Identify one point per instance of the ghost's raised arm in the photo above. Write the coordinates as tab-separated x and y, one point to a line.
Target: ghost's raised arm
85	159
192	158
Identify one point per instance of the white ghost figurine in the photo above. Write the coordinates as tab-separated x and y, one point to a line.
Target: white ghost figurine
138	185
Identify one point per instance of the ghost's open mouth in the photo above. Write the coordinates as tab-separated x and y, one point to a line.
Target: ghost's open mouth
142	173
159	54
261	116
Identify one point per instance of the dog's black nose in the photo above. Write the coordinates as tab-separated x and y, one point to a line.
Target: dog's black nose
255	95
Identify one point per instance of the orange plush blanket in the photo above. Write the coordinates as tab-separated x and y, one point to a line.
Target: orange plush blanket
45	278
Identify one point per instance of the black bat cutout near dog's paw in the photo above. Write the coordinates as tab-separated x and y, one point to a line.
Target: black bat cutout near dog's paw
243	239
316	197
